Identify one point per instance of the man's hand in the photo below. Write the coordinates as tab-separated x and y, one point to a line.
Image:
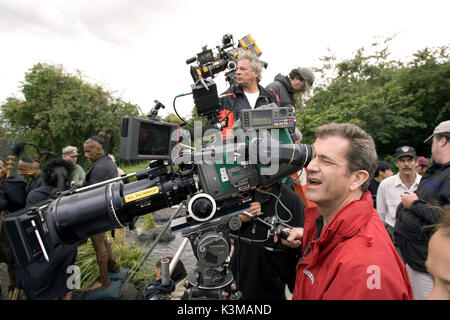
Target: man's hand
255	208
295	237
408	199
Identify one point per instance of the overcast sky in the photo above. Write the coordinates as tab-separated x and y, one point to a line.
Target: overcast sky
138	48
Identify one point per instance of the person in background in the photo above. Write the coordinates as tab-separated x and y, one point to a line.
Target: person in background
415	211
42	279
390	189
384	170
103	168
422	165
70	153
13	194
284	87
30	169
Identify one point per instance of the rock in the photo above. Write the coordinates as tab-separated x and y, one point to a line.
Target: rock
128	292
152	234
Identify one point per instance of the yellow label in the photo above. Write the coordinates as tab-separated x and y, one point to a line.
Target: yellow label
141	194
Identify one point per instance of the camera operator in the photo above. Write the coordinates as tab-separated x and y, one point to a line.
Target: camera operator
284	87
48	279
261	266
103	169
247	94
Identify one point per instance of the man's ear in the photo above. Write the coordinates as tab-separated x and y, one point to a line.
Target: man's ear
359	177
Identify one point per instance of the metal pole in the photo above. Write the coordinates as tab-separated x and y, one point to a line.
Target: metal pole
155	242
165	275
177	255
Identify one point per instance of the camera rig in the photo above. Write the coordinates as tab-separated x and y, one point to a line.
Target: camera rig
216	180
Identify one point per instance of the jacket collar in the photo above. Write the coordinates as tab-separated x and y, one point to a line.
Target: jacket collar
346	224
238	90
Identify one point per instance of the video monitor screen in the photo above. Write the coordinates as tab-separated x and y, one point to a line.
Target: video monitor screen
154	140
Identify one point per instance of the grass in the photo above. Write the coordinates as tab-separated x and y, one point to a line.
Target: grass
127	256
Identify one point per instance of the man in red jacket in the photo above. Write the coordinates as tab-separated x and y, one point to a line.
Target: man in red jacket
347	252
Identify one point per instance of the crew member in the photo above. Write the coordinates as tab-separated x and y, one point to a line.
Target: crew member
103	169
284	87
247	94
262	268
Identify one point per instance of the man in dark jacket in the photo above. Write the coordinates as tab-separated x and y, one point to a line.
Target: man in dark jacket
260	266
284	87
248	94
13	194
415	213
103	168
42	279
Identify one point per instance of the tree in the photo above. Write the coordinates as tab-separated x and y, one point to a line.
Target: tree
396	103
61	108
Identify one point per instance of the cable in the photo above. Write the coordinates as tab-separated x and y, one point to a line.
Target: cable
175	109
276	206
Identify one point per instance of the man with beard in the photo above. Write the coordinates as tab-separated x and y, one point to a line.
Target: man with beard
417	211
390	189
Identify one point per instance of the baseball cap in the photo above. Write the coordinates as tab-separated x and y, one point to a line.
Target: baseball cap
405	151
422	161
441	128
70	151
307	76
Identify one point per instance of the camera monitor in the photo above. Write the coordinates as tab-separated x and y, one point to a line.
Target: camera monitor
142	139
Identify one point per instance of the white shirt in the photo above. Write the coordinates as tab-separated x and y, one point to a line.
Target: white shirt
388	197
252	97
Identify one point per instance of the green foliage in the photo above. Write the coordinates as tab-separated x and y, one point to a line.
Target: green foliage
396	103
61	109
127	256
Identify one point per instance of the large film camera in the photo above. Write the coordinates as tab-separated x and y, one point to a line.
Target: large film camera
216	181
224	57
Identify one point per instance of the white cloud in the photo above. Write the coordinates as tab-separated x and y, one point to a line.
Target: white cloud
138	48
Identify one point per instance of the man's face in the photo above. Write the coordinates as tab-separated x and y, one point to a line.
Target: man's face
438	262
385	174
298	85
421	169
26	169
245	76
72	159
328	178
437	148
406	165
92	150
3	170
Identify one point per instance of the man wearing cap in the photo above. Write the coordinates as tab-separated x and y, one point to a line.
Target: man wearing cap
70	154
416	213
390	189
422	165
284	87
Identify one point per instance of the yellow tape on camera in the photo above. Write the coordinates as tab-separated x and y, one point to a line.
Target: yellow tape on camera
141	194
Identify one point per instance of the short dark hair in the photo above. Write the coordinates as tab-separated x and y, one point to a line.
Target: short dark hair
445	135
382	166
361	155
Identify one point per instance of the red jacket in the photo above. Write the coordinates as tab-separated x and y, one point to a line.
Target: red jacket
353	258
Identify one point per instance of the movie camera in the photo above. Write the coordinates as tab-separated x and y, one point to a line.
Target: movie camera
216	181
224	57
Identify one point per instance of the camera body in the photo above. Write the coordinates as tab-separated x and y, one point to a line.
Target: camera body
216	180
